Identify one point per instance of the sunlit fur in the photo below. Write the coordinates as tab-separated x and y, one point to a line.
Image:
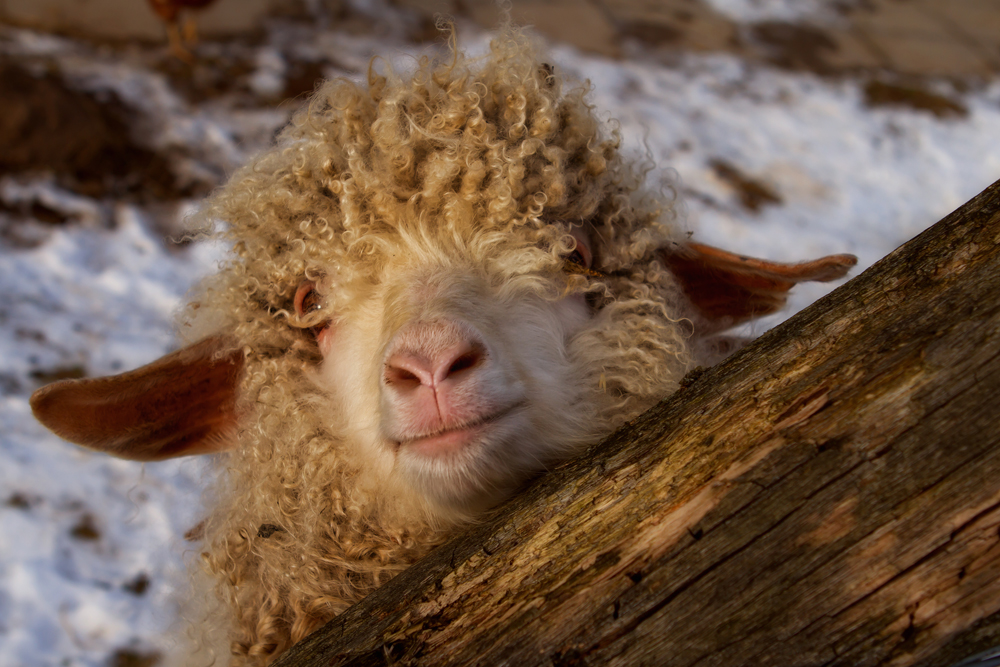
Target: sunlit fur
446	193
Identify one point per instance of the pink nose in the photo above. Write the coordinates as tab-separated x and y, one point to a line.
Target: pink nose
434	378
409	369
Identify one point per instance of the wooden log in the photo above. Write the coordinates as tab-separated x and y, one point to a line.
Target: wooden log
828	496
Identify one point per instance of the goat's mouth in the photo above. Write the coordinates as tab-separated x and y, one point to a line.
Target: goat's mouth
450	440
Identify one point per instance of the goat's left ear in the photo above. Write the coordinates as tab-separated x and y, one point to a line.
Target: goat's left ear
728	289
181	404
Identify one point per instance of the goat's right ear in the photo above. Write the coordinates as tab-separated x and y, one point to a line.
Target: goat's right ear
728	289
181	404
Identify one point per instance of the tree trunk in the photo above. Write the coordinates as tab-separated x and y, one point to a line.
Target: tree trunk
828	496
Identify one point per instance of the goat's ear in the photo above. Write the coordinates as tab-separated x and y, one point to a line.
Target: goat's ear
728	289
181	404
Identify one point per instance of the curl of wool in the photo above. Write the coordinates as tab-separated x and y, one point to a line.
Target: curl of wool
481	157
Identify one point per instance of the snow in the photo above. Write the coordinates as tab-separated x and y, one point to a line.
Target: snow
752	11
81	532
102	300
852	179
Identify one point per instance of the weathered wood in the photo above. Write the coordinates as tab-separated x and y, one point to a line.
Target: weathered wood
828	496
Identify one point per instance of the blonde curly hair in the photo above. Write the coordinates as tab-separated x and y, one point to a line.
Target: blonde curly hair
488	159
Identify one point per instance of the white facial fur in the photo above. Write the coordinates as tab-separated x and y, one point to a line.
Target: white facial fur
461	432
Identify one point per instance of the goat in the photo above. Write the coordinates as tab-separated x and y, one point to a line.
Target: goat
440	285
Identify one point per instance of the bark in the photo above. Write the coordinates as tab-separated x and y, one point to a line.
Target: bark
828	496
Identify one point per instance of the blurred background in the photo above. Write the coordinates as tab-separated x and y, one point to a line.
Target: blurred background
789	128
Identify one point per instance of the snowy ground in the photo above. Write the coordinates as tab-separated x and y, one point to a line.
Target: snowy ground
776	164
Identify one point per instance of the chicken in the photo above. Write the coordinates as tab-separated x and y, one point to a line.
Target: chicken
169	11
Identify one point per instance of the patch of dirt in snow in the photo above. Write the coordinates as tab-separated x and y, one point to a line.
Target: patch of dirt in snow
912	94
88	142
753	194
90	126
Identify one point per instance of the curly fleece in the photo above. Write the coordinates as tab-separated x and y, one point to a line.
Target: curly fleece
488	159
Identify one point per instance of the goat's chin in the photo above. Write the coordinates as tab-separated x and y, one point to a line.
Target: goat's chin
474	468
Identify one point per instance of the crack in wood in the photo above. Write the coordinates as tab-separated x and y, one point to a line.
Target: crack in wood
817	566
629	627
906	572
803	409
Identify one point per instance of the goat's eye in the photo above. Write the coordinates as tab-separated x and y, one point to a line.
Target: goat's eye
307	299
576	257
580	259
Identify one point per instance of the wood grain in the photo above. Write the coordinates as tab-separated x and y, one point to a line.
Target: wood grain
828	496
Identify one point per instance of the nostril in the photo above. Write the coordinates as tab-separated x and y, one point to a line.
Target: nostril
464	362
400	376
405	373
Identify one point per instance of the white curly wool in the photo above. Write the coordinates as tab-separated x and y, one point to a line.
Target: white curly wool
415	350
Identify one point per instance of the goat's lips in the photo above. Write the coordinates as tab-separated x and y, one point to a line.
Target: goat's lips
444	443
452	440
